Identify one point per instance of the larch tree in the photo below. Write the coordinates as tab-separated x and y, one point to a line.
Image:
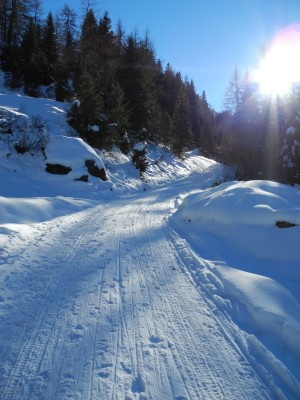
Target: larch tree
233	95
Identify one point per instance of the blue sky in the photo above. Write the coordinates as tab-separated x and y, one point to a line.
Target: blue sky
203	39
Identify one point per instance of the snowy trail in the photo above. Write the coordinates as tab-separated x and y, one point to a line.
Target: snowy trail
106	311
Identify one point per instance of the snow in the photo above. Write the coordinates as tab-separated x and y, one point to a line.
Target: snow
72	152
259	272
166	288
139	146
31	210
291	130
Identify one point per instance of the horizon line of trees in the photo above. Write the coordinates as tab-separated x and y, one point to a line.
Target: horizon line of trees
123	94
118	82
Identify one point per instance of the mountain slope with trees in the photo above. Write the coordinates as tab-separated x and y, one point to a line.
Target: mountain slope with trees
121	89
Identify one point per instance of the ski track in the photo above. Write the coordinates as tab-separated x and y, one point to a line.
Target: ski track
105	310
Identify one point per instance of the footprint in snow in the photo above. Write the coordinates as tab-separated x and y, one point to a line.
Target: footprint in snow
156	341
126	367
138	385
75	336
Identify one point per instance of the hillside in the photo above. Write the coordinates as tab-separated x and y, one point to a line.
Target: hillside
169	287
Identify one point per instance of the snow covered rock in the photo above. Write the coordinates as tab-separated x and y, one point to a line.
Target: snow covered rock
65	154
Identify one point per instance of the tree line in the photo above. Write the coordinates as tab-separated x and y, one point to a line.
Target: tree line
118	82
121	93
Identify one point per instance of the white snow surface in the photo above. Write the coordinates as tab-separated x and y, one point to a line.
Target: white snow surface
166	288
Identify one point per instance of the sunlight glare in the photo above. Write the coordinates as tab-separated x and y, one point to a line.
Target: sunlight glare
280	68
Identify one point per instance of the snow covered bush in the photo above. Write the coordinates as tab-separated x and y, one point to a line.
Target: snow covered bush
23	134
32	137
139	158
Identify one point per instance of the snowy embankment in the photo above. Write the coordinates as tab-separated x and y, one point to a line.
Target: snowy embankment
26	175
234	228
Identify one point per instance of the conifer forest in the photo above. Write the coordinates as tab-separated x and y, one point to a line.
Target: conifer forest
118	88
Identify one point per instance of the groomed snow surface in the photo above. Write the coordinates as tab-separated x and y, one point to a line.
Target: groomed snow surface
167	288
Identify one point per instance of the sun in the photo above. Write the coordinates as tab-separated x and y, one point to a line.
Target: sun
280	68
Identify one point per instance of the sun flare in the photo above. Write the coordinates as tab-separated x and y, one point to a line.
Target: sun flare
280	68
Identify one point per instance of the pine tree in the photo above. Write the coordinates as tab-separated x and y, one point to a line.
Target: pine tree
171	83
207	126
33	60
87	48
118	112
4	15
14	19
67	64
107	59
91	102
195	109
290	151
49	45
182	137
132	79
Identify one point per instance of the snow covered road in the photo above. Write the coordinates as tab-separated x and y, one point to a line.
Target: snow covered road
99	305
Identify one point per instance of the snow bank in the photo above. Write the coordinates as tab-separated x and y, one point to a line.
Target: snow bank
251	203
236	222
31	210
244	215
271	306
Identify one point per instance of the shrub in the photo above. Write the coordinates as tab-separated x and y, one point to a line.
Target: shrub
30	136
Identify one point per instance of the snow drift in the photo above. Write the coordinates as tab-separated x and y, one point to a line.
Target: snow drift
236	222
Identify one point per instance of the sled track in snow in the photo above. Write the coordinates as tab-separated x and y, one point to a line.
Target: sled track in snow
112	315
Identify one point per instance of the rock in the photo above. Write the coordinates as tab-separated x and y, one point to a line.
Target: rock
284	224
57	169
83	178
95	171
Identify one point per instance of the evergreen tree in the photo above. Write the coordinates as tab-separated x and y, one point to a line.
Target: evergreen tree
195	112
14	18
4	15
91	102
67	64
290	151
18	14
118	112
133	80
49	45
207	127
87	48
171	84
182	137
120	41
106	59
139	159
33	60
